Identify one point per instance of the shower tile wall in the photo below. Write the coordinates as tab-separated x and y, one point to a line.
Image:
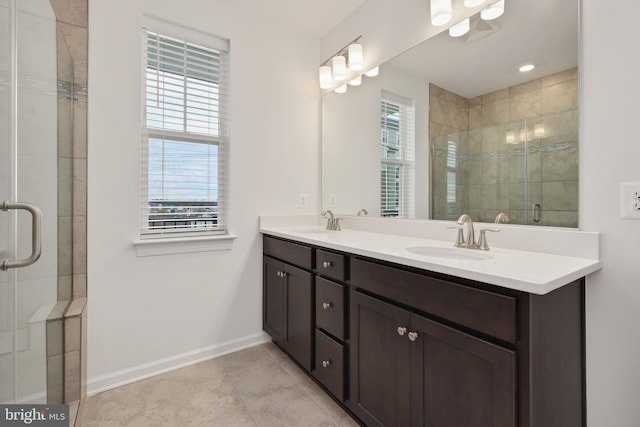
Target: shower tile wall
490	170
72	22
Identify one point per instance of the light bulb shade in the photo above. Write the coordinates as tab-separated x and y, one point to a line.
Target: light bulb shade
341	89
356	57
473	3
440	12
326	80
538	130
373	72
459	29
511	137
339	65
492	12
356	82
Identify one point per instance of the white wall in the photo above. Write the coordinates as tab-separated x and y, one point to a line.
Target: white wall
351	148
609	153
181	307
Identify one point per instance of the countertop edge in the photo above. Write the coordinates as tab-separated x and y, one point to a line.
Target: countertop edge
539	288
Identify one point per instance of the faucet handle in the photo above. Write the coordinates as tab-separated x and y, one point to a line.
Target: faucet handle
482	243
460	238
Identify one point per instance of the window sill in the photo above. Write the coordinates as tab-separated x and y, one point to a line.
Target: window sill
183	245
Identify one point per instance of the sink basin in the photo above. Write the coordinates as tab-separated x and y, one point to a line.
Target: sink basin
449	253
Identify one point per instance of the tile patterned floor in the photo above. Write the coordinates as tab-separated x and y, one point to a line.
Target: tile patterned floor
259	386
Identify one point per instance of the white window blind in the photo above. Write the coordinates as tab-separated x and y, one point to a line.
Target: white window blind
184	136
397	145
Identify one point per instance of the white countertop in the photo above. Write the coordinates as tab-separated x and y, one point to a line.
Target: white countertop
534	272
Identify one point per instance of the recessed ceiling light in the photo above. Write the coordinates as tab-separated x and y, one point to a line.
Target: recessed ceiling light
527	67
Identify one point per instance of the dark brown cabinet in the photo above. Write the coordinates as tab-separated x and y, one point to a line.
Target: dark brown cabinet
412	371
458	379
288	302
400	346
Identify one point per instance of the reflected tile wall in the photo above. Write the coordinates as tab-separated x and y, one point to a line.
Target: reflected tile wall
491	163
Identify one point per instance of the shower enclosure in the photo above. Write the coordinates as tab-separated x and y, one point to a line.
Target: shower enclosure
483	164
36	83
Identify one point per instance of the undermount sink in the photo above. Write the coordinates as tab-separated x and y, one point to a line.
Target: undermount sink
449	253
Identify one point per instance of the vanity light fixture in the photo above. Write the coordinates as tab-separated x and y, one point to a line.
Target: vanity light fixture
493	11
356	57
356	82
373	72
326	81
341	89
473	3
340	65
526	67
460	29
440	12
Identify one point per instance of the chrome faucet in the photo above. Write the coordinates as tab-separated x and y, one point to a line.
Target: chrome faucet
363	212
503	217
333	223
470	241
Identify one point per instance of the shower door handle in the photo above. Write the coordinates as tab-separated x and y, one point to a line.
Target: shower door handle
537	212
36	235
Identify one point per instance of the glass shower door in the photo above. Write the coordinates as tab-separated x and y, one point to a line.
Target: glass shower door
28	177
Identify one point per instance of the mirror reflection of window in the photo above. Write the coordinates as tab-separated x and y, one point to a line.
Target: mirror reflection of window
397	148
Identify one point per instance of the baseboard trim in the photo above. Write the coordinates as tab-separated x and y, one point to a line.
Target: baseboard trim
126	376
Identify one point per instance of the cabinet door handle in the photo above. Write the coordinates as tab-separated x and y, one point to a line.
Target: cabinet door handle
402	330
326	363
412	336
327	305
284	274
279	273
327	264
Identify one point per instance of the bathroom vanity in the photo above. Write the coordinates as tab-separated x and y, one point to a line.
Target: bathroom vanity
401	344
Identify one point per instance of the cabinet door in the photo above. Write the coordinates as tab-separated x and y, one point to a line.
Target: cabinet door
273	296
379	362
460	380
299	318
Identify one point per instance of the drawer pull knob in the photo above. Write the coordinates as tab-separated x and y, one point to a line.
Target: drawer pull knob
412	336
402	330
279	273
282	274
327	305
326	363
327	264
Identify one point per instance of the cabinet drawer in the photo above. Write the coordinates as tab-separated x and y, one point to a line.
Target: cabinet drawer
293	253
330	364
330	307
330	264
481	310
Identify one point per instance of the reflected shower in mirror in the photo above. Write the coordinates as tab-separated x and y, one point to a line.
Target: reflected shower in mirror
452	126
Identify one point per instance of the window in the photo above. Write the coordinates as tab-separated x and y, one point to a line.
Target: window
184	142
452	173
397	157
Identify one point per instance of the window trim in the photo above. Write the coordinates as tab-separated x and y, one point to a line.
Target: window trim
183	244
192	240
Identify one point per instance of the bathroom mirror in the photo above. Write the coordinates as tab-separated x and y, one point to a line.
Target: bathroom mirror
452	126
